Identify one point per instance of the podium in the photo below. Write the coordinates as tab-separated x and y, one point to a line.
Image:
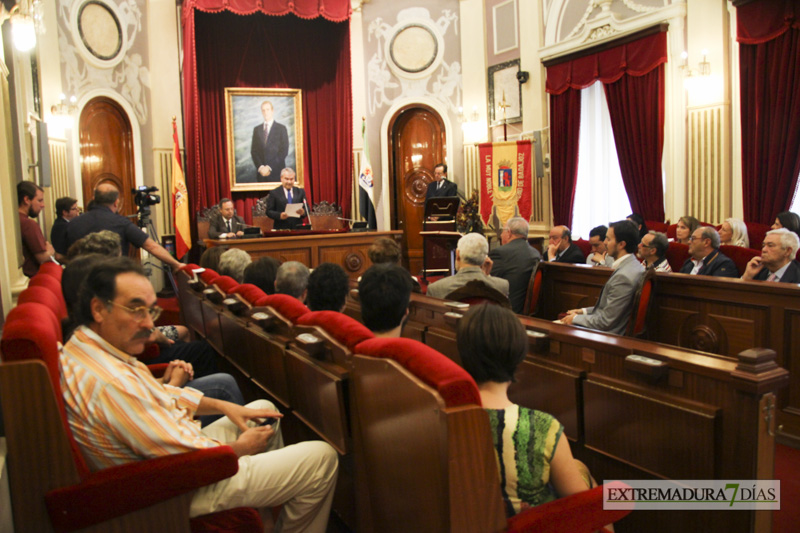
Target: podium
439	236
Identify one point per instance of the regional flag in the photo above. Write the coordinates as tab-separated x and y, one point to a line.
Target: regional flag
180	201
366	183
505	179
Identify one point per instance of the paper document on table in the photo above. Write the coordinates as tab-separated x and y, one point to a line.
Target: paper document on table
292	210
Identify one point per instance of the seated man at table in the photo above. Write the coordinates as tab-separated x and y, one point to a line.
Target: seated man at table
776	262
514	260
292	279
653	251
472	263
616	299
280	197
226	223
119	413
705	259
560	247
599	256
385	292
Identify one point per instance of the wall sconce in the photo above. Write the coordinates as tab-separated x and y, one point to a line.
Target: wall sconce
473	117
26	22
62	108
703	68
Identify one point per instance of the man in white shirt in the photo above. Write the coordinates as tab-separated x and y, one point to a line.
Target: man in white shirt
228	225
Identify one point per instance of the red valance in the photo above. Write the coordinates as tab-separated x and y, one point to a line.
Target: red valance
764	20
636	59
333	10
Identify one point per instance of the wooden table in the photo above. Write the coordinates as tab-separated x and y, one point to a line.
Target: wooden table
345	248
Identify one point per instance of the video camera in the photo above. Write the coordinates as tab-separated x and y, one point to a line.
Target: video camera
143	196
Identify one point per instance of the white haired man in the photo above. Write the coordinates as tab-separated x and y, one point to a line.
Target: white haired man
776	262
472	262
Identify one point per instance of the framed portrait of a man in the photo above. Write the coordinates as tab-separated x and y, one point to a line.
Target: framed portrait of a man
264	136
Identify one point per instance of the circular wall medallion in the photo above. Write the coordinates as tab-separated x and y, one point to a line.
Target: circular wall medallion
100	30
414	48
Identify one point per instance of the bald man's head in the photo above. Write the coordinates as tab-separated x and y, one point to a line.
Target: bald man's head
106	194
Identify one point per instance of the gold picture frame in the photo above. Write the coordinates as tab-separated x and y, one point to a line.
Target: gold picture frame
253	150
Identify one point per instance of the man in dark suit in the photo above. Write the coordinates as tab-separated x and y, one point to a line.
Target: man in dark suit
616	300
227	225
514	260
441	186
776	262
66	210
270	146
280	197
561	249
705	259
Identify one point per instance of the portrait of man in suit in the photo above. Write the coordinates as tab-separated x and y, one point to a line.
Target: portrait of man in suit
282	196
270	145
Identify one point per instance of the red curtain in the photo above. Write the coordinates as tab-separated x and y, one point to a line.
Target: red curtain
636	106
637	118
224	49
769	70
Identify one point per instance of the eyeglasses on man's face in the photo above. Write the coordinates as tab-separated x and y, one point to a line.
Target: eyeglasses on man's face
142	312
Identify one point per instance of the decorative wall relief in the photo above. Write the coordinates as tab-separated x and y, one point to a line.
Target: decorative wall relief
99	49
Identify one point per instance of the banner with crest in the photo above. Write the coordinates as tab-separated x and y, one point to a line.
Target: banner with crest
505	179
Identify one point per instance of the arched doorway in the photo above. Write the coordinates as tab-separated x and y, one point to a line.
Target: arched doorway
106	150
417	142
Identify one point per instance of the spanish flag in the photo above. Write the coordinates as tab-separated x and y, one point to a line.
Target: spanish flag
180	201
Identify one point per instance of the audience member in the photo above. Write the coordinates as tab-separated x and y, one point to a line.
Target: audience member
328	286
120	414
599	254
66	210
385	292
472	263
514	260
788	220
561	249
103	242
262	272
386	250
292	279
616	299
225	223
35	250
533	454
733	232
104	215
638	219
210	258
685	228
705	258
776	262
653	252
233	262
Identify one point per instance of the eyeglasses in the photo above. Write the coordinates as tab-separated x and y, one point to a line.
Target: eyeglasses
693	238
141	313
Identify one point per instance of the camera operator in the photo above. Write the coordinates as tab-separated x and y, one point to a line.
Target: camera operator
103	216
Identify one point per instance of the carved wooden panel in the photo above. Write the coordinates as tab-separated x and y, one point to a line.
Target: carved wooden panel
212	327
268	357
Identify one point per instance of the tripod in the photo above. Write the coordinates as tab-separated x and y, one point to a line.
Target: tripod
145	222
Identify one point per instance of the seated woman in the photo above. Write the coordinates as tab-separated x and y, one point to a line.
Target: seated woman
686	226
788	220
535	459
733	232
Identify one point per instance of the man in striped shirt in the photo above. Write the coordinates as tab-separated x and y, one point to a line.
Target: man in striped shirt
119	413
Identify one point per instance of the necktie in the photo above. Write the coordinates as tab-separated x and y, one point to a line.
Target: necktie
773	277
229	226
289	196
266	131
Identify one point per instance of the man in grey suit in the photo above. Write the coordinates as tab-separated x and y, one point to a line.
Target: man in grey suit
472	263
614	305
227	225
514	260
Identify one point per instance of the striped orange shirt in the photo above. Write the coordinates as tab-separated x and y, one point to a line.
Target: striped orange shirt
118	411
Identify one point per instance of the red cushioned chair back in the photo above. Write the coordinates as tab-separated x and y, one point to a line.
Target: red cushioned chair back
584	245
39	294
226	284
739	255
534	288
51	269
50	283
756	233
677	254
660	227
250	292
671	229
32	331
289	307
343	328
454	384
208	276
641	304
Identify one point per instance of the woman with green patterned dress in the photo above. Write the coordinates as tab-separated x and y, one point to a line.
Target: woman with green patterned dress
534	457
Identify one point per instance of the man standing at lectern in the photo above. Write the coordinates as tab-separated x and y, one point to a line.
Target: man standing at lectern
270	145
280	197
441	186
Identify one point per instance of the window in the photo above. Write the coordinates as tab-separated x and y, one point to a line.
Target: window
600	195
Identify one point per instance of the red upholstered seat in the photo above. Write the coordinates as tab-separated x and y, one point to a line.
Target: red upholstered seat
286	305
756	233
452	382
54	286
660	227
43	296
534	289
250	292
677	254
641	304
343	328
740	255
584	245
226	283
52	269
208	276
